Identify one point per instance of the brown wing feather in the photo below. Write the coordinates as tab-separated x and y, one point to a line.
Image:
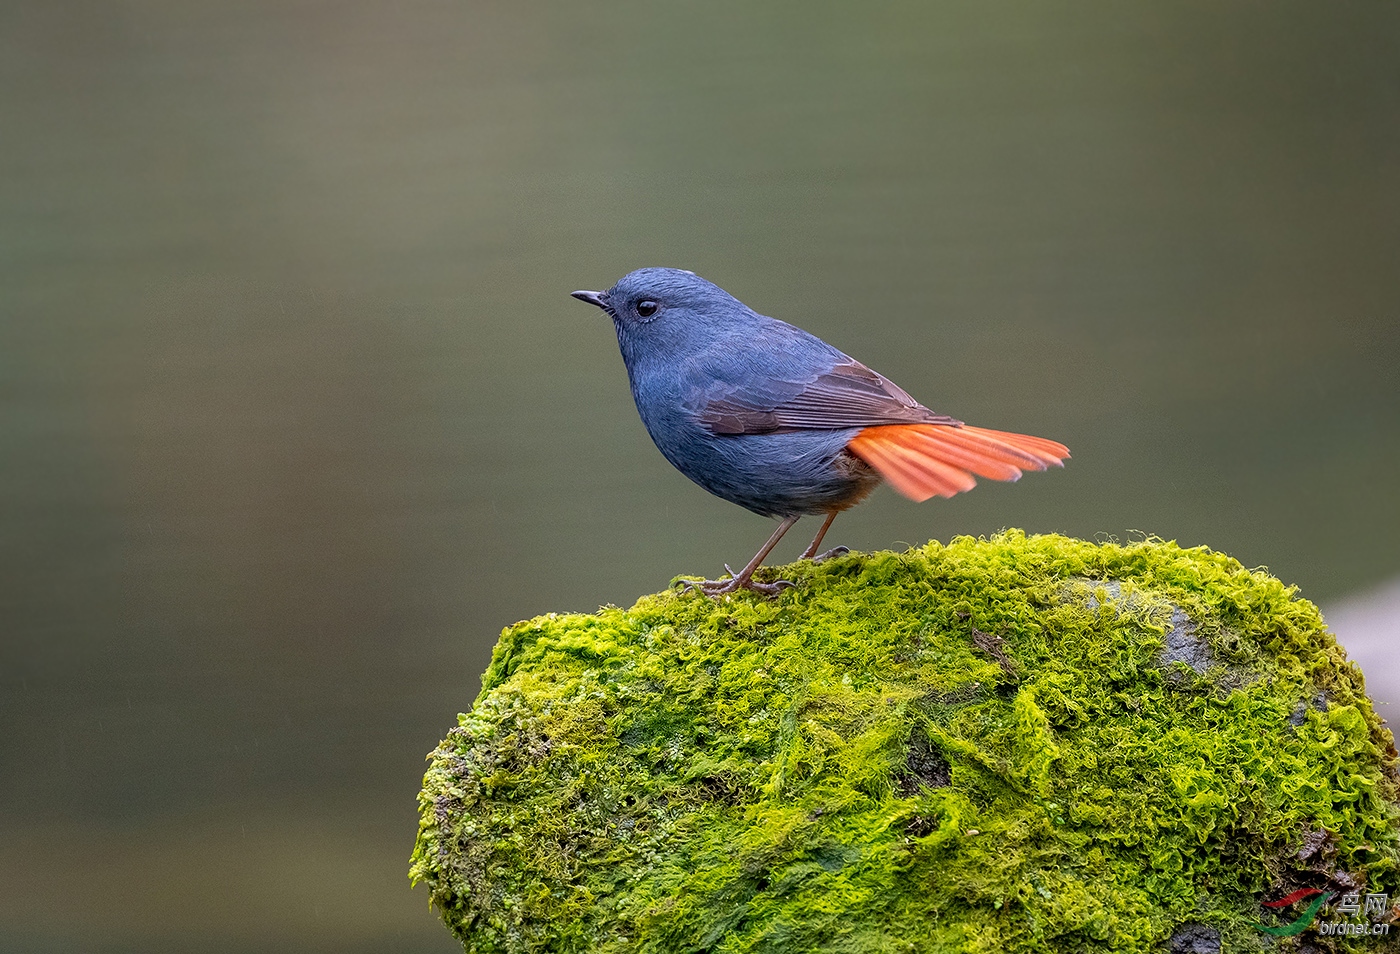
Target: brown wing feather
849	395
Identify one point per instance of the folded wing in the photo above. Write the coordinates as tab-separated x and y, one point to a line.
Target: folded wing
847	394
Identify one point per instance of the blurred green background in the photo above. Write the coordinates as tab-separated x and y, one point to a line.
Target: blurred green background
296	412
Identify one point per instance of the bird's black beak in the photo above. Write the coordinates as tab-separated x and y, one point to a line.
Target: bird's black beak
593	298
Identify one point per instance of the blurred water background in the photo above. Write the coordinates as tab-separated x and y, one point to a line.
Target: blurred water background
296	412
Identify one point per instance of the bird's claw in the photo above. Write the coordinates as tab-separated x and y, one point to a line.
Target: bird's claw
831	554
715	588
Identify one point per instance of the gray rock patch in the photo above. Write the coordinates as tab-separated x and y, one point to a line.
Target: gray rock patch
1179	630
1194	939
1183	645
1300	711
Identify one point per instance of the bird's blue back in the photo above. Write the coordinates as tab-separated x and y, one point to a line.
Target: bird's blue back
704	345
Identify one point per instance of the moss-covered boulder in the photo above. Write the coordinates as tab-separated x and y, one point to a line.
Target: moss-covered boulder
1018	744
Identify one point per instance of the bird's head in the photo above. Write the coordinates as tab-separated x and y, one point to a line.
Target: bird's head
664	307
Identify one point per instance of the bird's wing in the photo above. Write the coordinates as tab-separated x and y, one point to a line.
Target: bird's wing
845	394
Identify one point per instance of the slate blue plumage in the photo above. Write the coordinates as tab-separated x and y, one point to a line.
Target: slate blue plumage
705	344
765	415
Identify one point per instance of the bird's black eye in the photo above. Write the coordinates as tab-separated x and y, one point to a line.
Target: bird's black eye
646	308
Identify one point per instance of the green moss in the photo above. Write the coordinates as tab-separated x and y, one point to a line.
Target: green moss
978	746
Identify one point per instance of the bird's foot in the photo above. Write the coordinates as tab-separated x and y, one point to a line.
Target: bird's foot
714	588
831	554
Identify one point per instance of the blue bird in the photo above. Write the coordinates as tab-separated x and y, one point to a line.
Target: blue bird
774	419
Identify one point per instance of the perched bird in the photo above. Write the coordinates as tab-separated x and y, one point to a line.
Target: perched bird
776	420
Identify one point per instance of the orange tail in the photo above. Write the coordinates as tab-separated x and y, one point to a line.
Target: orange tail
927	460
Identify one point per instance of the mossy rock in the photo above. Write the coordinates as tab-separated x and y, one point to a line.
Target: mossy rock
1030	744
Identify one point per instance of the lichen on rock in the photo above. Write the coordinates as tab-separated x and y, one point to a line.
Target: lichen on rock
1016	744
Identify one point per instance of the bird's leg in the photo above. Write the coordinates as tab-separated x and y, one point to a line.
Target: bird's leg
811	552
744	578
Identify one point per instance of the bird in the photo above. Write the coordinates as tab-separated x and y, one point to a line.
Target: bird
772	418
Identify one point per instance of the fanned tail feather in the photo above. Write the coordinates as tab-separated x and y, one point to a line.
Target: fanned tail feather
938	460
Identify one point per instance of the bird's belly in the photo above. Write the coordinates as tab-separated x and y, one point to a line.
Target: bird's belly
800	472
